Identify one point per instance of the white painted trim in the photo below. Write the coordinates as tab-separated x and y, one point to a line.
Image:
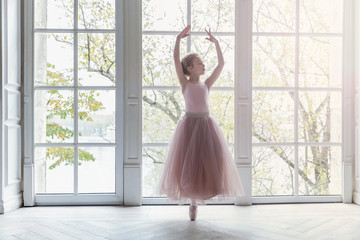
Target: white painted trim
55	30
178	88
166	201
29	178
77	87
297	143
12	203
255	200
133	102
348	79
79	199
2	74
291	89
76	100
243	96
297	199
119	100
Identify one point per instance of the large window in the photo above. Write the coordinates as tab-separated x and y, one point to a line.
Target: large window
163	103
297	97
74	96
296	93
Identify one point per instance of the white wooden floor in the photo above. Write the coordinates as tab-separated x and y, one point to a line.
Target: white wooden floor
278	221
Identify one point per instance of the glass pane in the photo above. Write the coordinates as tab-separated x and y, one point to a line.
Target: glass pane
274	16
320	62
54	116
54	13
164	15
97	170
273	116
162	109
319	170
53	56
96	116
273	61
222	109
207	52
54	171
158	61
273	171
97	59
320	116
152	167
321	16
214	14
96	14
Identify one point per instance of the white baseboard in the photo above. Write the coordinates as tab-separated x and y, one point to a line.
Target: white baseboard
11	204
356	197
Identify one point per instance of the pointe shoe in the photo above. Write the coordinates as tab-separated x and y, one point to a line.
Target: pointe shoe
192	212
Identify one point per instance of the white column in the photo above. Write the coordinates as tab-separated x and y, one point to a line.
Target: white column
348	93
132	102
243	96
11	113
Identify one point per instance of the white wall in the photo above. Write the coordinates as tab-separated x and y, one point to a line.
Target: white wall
356	194
11	112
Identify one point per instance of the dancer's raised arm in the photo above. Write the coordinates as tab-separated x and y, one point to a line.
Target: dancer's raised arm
178	66
216	73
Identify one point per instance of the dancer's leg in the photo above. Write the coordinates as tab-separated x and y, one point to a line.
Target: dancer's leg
193	210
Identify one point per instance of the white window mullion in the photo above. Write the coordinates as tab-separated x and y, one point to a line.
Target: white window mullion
119	100
76	175
296	101
54	30
188	19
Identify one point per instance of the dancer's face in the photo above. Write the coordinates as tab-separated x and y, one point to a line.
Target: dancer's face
198	67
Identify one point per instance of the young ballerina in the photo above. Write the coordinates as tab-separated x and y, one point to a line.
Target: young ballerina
199	163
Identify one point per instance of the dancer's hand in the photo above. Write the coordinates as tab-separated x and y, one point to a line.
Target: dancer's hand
211	37
184	33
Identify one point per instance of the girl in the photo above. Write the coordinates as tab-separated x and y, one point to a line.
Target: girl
199	163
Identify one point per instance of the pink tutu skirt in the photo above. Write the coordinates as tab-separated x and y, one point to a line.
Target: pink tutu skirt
199	163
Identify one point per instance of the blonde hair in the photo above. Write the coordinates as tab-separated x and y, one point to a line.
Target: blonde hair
187	61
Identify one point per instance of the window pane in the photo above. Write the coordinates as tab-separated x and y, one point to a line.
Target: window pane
207	52
54	13
214	14
273	171
53	55
96	170
222	109
97	59
320	116
158	61
164	15
319	170
54	116
162	109
96	116
273	61
54	171
96	14
152	167
273	116
320	62
321	16
274	16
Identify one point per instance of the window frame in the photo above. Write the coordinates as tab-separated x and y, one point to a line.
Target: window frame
243	112
30	196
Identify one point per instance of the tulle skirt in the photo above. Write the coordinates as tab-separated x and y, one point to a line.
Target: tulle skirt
199	164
